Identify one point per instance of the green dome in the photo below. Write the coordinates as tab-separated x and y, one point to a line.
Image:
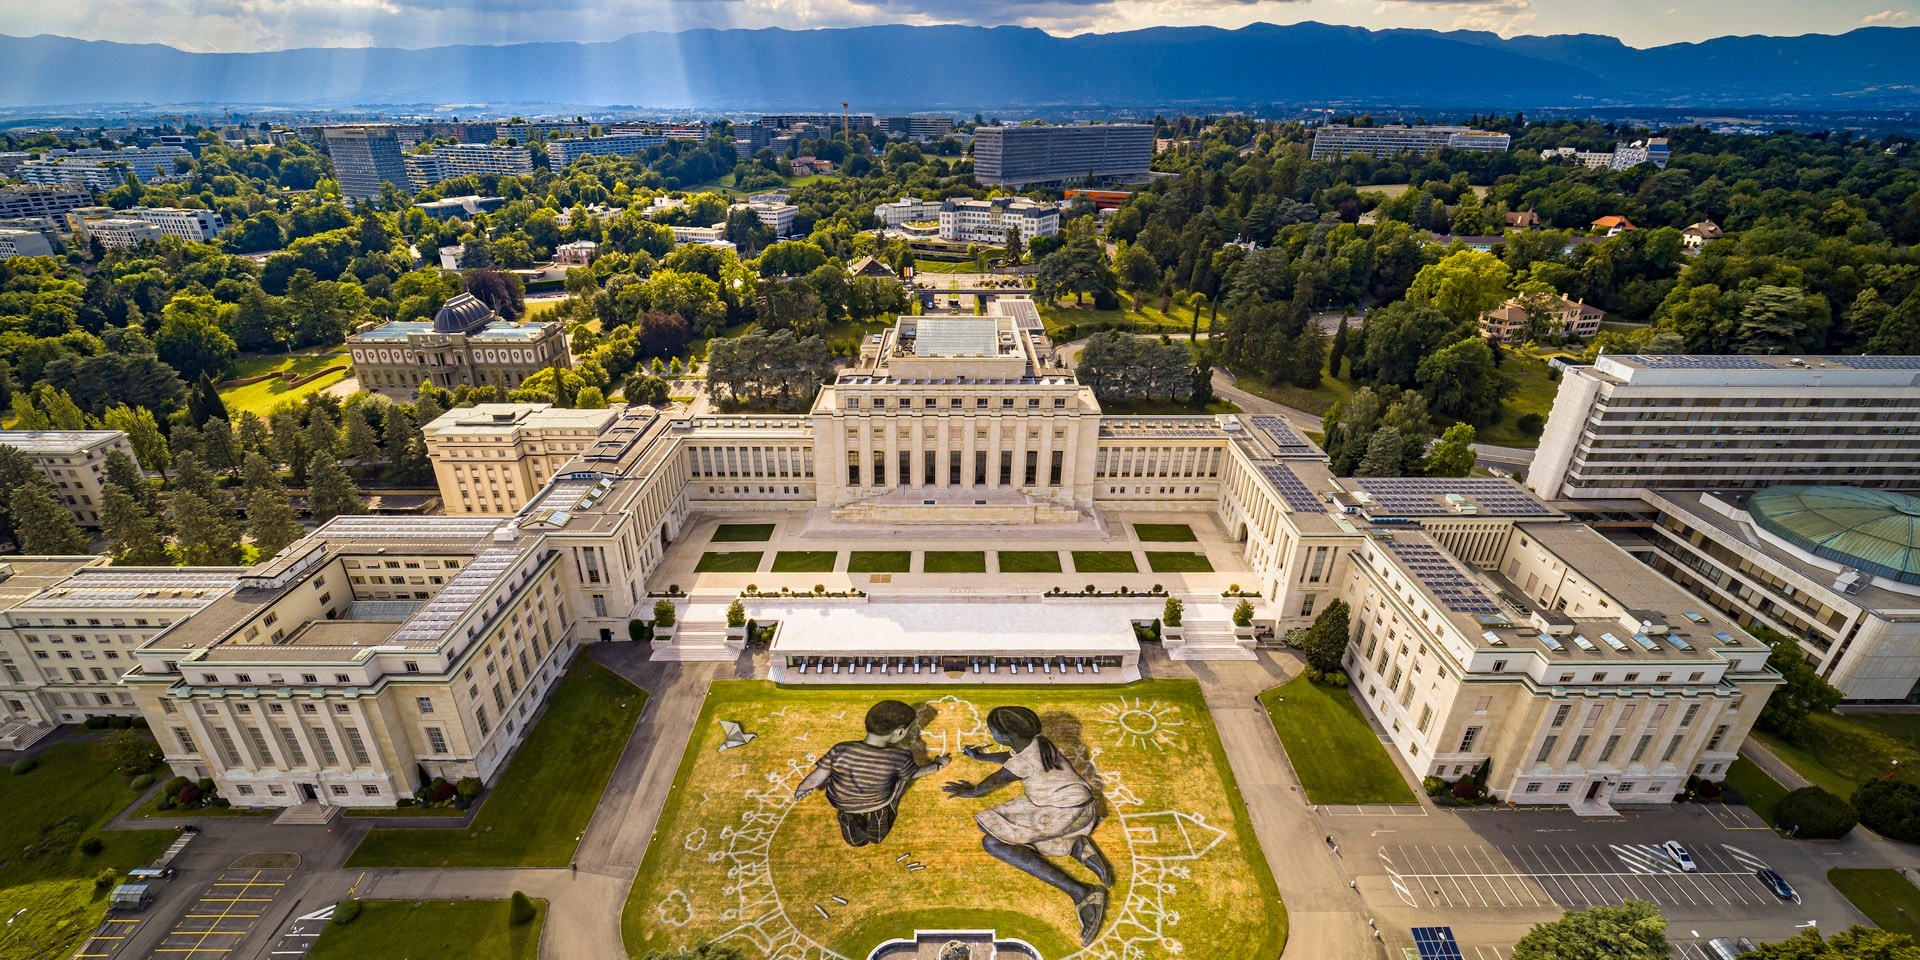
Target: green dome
1877	531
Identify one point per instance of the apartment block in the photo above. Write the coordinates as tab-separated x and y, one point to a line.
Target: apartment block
75	460
1072	153
102	170
118	233
493	458
447	161
39	201
23	243
562	153
1338	140
917	128
195	226
364	157
776	215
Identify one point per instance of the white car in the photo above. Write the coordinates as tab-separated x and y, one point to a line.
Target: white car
1680	856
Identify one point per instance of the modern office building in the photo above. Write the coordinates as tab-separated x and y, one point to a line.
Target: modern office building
465	344
38	201
15	242
498	456
364	157
775	214
917	128
196	226
1339	140
102	170
907	210
447	161
464	208
561	153
1065	154
75	460
119	233
987	221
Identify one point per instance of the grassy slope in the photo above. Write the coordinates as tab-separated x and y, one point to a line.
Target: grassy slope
1336	755
1536	395
1889	899
1846	750
432	929
73	793
262	397
539	808
1762	792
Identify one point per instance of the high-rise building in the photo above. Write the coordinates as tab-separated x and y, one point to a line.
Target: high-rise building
1338	140
561	153
917	128
364	157
1073	153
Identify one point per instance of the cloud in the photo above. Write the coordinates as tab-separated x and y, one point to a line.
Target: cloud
1885	17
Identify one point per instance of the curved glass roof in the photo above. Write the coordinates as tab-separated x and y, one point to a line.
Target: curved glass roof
1877	531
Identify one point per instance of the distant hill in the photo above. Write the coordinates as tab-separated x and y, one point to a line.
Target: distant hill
965	69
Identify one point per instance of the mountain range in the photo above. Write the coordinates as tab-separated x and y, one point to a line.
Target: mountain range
964	69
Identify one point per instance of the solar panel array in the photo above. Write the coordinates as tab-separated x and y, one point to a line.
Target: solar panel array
1425	496
1689	362
1435	943
1455	590
956	337
1879	363
1283	436
431	622
1292	489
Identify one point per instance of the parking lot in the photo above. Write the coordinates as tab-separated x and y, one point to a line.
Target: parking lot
1572	876
222	916
109	939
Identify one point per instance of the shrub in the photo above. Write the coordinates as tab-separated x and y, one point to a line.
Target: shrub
206	785
403	802
92	846
164	804
1890	808
442	792
345	911
1335	678
222	802
636	630
468	787
1814	814
107	878
24	766
1243	614
1171	614
189	795
520	909
120	723
174	786
142	781
663	613
96	723
1466	789
1711	790
736	614
1314	675
1434	786
1532	424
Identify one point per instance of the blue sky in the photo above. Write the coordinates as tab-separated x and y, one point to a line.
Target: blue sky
245	25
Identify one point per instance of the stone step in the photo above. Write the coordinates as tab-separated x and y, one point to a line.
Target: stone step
698	642
310	813
1209	651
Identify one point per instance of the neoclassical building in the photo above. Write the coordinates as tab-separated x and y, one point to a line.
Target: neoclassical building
465	344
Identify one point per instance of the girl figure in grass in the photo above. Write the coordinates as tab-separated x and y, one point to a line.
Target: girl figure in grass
1054	818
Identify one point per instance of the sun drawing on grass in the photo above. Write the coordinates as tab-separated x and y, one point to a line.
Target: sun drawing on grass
1139	723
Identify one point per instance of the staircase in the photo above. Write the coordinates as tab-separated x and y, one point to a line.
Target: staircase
310	813
21	734
698	640
1210	641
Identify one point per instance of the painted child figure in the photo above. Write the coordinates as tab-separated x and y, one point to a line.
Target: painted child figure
865	778
1054	818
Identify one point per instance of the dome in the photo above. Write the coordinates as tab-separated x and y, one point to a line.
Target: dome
1877	531
462	314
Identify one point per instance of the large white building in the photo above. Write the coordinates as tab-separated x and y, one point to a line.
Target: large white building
1338	140
987	221
74	460
101	170
775	214
23	243
118	233
447	161
1033	154
907	210
18	202
561	153
197	226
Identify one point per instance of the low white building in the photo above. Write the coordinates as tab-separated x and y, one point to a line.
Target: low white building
987	221
906	210
196	226
776	215
116	233
23	243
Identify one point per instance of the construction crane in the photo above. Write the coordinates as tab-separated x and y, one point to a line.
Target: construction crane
846	123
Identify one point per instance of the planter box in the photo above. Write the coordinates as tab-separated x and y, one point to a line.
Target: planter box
664	634
1243	633
1172	634
738	634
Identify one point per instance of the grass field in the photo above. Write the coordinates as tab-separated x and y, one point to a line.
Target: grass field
423	930
1173	825
1762	792
262	397
1164	532
1104	561
540	806
1334	753
151	808
737	561
1889	899
804	561
1536	392
743	533
955	561
1029	561
1057	316
1162	561
880	561
49	811
1844	751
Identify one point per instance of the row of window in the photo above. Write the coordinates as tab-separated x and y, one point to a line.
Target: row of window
956	403
1004	462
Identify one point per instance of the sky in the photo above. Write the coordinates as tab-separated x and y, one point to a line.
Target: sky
251	25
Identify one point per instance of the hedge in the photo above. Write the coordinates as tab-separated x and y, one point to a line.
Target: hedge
1814	814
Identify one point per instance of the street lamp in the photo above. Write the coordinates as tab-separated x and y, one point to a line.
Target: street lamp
35	944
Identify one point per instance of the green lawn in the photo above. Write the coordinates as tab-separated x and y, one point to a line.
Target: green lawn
430	930
1537	390
1336	755
1843	751
743	533
1175	562
738	561
49	811
1029	561
880	561
151	808
1164	532
1104	561
1887	897
1088	321
262	397
804	561
955	561
1762	792
540	806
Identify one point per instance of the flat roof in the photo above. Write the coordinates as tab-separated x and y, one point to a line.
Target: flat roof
55	441
997	629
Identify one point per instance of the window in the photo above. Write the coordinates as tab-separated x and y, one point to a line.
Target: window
1606	752
339	789
425	703
437	740
1579	747
480	716
309	678
371	790
1693	710
1306	604
1673	746
1566	678
1563	788
245	790
1499	666
1533	787
1426	717
186	740
260	745
1719	732
1546	749
228	747
1467	739
411	666
243	678
325	743
295	755
1640	749
1560	715
356	747
1625	788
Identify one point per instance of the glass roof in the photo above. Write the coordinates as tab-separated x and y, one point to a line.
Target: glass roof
1877	531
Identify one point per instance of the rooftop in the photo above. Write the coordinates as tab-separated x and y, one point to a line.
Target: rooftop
55	441
506	419
1877	531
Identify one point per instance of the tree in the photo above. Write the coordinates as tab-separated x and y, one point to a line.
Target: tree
502	292
406	444
1463	286
1453	456
132	751
192	476
1890	808
192	339
271	519
204	403
1812	813
1384	457
1335	353
704	951
1782	320
205	530
1171	613
1326	643
43	526
363	444
1461	380
1634	930
520	909
1899	333
1804	693
120	469
1856	943
1137	271
591	398
330	492
1541	303
133	534
143	434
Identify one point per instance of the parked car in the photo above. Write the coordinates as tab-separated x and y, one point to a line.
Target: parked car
1679	855
1778	884
1729	948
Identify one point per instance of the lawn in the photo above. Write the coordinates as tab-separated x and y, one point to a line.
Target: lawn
1175	562
1537	390
743	533
1843	751
804	561
1190	877
1087	321
738	561
1164	532
1029	561
1104	561
1888	898
880	561
1316	401
262	397
432	929
151	808
1336	755
540	806
955	561
69	797
1762	792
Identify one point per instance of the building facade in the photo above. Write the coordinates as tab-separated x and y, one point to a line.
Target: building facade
23	243
464	345
76	462
102	170
988	221
561	153
917	128
194	226
1073	153
496	456
17	202
364	157
1337	140
447	161
1508	323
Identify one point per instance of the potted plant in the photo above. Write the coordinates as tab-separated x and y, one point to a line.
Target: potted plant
1243	620
664	621
737	621
1170	629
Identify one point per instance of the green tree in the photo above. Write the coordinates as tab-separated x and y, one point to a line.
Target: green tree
520	909
26	416
1541	303
133	534
1855	943
406	445
192	476
62	412
205	530
204	402
1462	381
122	470
143	434
42	524
1634	930
330	492
1813	813
1899	333
1782	320
192	339
1804	693
1453	456
132	751
1137	271
1463	285
271	519
1385	456
363	443
1326	642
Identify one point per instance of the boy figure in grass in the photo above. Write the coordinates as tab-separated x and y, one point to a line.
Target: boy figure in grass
865	778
